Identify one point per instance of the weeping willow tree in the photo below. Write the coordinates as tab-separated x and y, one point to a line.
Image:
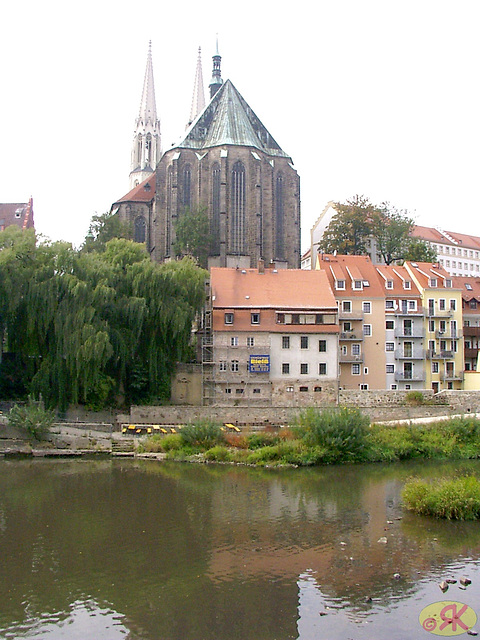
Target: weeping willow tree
92	327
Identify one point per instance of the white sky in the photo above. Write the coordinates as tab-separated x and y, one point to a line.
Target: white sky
375	97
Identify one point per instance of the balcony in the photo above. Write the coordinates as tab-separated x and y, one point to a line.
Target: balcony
448	335
436	313
412	332
349	335
471	353
419	312
451	376
471	331
415	354
439	355
346	359
401	376
350	315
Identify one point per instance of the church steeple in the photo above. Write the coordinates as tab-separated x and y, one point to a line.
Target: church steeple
216	81
198	98
146	149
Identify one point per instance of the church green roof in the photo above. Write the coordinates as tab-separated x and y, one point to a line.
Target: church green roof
228	120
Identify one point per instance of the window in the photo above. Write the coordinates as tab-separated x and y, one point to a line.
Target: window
256	390
367	307
355	369
250	341
393	387
238	390
358	284
304	368
234	365
322	368
389	325
346	306
303	389
303	342
289	389
473	304
255	318
389	304
367	329
355	349
431	326
322	345
317	389
140	229
340	284
434	367
432	283
285	342
448	283
238	209
407	284
390	368
442	304
222	365
365	371
453	304
285	368
389	346
229	318
347	326
234	341
412	305
364	387
228	390
389	284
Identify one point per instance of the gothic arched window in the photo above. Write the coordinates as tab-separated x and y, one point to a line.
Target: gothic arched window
279	218
187	186
140	229
215	222
237	219
139	150
148	149
168	221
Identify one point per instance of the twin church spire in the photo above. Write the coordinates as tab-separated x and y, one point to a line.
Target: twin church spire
147	148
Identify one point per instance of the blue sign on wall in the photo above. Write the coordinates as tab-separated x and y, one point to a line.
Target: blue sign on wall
259	364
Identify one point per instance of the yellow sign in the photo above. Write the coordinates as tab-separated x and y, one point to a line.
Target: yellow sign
447	618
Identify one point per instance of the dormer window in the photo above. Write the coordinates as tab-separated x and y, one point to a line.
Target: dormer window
432	283
407	284
229	318
389	284
340	284
358	284
448	284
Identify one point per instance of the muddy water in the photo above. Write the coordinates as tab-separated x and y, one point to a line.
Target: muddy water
157	551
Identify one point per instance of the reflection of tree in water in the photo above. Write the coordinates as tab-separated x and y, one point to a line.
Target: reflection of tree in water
191	550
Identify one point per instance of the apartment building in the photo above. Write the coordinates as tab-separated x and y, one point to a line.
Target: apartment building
274	338
361	311
405	351
443	332
457	253
470	288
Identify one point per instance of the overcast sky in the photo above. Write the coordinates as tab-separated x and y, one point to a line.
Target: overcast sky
374	97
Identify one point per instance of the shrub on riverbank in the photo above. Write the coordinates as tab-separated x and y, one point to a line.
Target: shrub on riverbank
33	418
457	499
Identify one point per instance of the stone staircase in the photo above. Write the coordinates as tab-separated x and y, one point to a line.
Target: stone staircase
123	447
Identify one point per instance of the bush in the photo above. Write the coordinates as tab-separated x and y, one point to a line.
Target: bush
341	433
218	454
457	499
159	443
261	439
414	398
203	434
32	417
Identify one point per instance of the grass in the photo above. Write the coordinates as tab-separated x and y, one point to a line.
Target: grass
324	437
452	499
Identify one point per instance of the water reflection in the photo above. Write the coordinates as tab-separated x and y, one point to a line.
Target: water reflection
199	552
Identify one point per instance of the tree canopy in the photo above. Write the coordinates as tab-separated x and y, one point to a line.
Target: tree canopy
92	326
360	224
193	235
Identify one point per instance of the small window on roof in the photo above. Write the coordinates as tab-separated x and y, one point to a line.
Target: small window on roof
340	284
468	286
389	284
407	284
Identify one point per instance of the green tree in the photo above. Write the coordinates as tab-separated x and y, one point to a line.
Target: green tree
193	235
350	229
418	250
391	230
105	227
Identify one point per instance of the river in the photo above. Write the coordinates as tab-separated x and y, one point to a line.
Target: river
145	550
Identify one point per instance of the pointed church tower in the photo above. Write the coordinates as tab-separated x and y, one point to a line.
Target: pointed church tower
198	99
146	149
216	81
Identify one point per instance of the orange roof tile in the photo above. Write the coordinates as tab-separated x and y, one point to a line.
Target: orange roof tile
447	237
470	287
144	192
358	267
273	289
398	276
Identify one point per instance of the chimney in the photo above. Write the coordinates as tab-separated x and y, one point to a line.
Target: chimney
261	266
271	264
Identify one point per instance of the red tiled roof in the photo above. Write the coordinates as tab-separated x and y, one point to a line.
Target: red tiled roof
397	275
144	192
342	267
274	289
451	237
472	292
17	213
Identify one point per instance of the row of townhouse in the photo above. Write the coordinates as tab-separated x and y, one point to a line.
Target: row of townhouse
286	337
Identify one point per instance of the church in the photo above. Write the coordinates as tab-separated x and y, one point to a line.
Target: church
228	164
